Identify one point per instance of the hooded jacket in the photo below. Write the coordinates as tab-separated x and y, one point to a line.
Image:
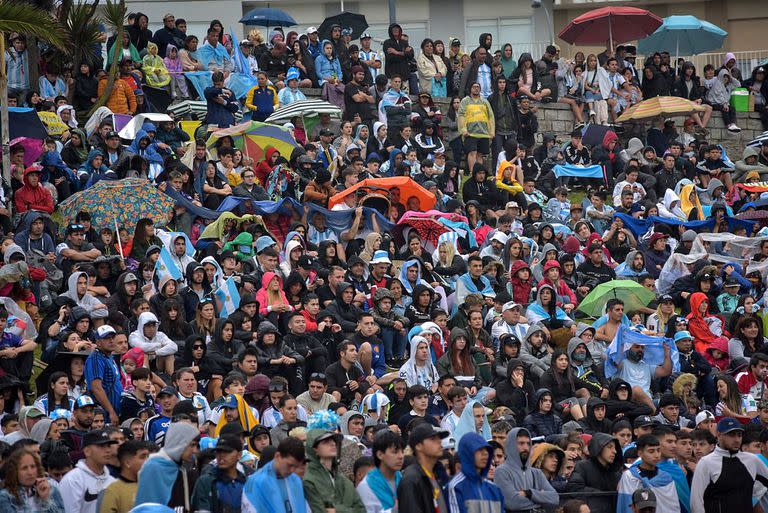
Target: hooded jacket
718	93
160	344
742	168
586	374
543	424
591	475
88	302
388	319
615	406
669	206
274	351
262	296
697	324
347	314
516	475
80	488
521	290
29	198
590	423
445	363
396	64
322	487
470	491
220	355
517	399
537	360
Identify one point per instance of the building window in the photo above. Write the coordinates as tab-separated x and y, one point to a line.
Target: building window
416	31
518	31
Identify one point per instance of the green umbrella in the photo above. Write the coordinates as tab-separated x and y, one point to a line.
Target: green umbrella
633	294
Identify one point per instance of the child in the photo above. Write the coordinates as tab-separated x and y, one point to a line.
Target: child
178	81
393	326
412	162
16	353
638	191
130	361
600	214
714	167
717	354
155	72
729	300
559	207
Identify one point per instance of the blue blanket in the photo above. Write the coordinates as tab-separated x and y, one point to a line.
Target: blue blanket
639	227
594	171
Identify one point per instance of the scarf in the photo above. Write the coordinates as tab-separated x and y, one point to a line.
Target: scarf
246	419
381	488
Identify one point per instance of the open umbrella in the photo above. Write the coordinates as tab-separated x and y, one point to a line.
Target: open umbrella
428	229
666	106
253	138
633	294
24	122
33	148
126	201
597	26
268	17
404	184
346	20
303	108
687	34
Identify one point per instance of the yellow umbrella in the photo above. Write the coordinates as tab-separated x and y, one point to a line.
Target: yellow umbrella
664	106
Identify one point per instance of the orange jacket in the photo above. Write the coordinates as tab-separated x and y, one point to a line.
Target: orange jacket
121	100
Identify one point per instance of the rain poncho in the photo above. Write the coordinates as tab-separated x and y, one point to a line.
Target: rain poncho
414	375
155	72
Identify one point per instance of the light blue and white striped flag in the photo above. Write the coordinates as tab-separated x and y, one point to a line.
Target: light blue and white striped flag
229	297
166	266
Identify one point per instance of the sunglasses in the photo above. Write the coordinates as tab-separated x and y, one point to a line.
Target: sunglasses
317	375
276	387
197	346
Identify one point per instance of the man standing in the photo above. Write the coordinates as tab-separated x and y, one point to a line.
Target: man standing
600	473
396	53
276	487
102	375
476	124
370	57
421	487
471	489
165	478
724	479
81	486
17	66
378	488
523	487
221	489
357	100
168	35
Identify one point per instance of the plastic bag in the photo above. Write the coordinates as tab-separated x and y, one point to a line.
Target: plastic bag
439	87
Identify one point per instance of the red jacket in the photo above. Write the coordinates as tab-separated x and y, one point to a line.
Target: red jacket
33	198
697	324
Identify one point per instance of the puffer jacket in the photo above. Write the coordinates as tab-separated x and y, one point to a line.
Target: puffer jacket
542	424
323	488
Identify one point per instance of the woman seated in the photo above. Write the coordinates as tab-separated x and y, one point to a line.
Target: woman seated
560	381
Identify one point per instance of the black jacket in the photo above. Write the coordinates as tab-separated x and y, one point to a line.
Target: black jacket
591	476
396	64
220	355
415	492
617	409
513	397
666	180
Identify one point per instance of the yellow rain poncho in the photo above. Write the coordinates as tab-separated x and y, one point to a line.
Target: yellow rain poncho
154	68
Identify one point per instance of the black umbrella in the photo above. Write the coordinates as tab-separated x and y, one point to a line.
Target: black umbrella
24	122
346	20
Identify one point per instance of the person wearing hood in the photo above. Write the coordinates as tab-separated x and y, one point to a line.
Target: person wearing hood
80	488
718	94
419	369
533	351
393	326
599	473
33	195
545	311
586	368
543	421
396	53
93	169
516	392
152	341
749	163
344	309
324	486
471	488
700	322
167	477
632	266
197	288
596	421
33	236
524	487
619	402
276	358
670	208
221	354
77	290
560	380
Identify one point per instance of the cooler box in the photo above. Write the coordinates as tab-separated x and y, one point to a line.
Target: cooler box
740	99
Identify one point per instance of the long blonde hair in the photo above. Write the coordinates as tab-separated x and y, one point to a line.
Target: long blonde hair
450	252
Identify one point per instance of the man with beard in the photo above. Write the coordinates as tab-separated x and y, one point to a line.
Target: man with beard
524	487
82	420
34	237
635	371
197	288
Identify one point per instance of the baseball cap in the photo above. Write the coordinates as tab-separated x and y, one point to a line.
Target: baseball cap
577	133
704	416
666	298
732	282
105	331
325	436
228	443
306	262
311	30
34	412
84	401
245	42
325	131
186	407
511	305
97	437
258	430
424	431
111	134
512	204
728	424
681	335
230	401
129	277
75	227
365	35
380	256
642	421
166	391
264	242
644	498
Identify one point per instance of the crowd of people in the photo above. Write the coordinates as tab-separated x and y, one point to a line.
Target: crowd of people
277	344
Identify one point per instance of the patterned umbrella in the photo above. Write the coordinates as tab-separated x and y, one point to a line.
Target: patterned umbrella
665	106
429	230
254	138
126	201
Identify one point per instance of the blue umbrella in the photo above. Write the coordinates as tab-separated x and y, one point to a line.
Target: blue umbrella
685	35
268	17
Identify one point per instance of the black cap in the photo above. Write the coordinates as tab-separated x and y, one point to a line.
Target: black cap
228	443
186	407
232	428
325	131
732	282
577	133
424	431
166	391
306	262
666	298
258	430
642	421
111	134
227	254
97	437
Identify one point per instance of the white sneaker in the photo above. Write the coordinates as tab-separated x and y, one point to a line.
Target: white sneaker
591	113
733	128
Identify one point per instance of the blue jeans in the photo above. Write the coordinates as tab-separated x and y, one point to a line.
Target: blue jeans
394	343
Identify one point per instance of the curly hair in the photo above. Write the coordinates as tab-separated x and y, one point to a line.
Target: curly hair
11	468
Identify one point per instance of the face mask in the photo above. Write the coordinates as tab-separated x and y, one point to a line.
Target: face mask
579	357
635	356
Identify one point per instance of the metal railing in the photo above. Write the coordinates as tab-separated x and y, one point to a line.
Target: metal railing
746	61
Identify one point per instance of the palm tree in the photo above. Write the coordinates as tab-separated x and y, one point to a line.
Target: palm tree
114	17
31	21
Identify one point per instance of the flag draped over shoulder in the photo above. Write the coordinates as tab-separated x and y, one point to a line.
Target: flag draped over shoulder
229	297
165	266
654	350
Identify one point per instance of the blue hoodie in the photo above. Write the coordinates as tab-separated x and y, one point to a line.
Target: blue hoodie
263	491
469	491
93	174
150	152
53	159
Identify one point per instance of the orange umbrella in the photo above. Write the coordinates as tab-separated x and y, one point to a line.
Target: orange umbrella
406	185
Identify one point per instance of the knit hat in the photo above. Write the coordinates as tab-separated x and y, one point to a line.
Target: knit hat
323	176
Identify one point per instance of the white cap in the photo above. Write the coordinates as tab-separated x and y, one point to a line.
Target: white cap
509	306
500	237
380	257
311	30
105	331
704	416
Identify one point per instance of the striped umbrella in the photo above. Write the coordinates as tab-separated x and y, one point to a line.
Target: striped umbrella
664	106
254	138
758	140
303	108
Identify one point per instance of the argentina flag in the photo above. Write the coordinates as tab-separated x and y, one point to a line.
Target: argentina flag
229	297
165	266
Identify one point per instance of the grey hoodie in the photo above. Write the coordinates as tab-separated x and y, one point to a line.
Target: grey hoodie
538	269
742	168
515	475
177	439
536	360
707	197
88	302
718	92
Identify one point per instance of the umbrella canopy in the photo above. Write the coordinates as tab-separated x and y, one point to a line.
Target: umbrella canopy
253	138
346	20
24	122
268	17
33	148
665	106
758	140
405	184
684	34
633	294
428	229
303	108
605	24
126	201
